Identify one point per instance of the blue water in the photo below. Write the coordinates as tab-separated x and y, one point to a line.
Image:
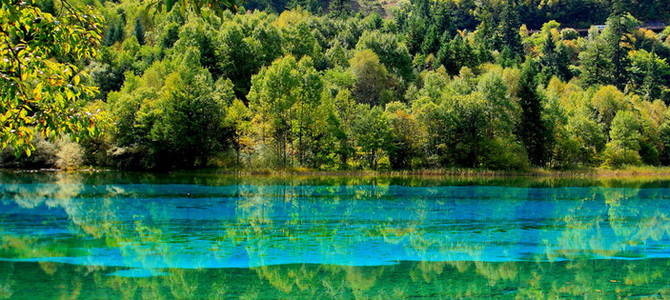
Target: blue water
147	228
206	236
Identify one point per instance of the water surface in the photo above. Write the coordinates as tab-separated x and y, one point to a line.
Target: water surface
134	235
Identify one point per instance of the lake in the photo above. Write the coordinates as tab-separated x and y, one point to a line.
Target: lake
137	235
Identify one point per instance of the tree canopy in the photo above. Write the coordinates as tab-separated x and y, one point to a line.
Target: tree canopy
185	84
44	82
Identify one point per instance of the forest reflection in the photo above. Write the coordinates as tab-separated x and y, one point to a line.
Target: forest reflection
143	235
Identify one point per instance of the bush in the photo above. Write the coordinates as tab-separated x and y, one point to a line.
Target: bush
616	156
70	155
43	156
505	154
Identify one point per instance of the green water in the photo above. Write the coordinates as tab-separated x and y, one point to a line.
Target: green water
136	235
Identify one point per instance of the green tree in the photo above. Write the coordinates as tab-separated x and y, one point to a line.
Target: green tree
501	111
616	36
240	55
139	32
238	118
236	58
508	29
326	141
169	36
336	56
554	60
216	5
442	18
199	34
371	78
455	54
415	31
347	111
596	64
407	138
299	41
311	6
605	60
664	137
44	87
190	127
607	102
532	129
486	30
283	94
431	41
113	34
649	74
468	118
392	54
339	8
624	146
589	136
171	116
372	133
502	149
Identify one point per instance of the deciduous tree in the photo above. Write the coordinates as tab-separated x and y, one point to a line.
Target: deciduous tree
43	86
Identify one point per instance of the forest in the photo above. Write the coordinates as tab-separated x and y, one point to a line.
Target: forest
341	85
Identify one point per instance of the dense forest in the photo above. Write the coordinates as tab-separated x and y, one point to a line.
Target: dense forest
495	84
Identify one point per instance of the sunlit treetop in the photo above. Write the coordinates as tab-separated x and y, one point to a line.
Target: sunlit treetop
218	6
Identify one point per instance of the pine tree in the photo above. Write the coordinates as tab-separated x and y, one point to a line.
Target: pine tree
532	129
508	29
431	41
605	60
508	58
547	60
486	31
444	56
339	8
416	31
554	61
616	29
109	37
563	56
421	8
139	32
441	17
119	33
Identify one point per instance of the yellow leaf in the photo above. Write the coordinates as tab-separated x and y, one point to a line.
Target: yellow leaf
37	92
76	79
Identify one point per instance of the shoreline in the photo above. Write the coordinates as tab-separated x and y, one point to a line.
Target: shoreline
641	171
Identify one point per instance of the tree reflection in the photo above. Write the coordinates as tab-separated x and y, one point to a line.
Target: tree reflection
223	237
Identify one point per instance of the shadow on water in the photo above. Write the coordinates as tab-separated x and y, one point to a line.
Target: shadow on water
131	235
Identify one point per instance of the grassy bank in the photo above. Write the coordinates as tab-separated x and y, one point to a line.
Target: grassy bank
632	177
630	171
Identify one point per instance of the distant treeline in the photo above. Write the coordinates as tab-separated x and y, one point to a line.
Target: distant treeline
414	89
467	14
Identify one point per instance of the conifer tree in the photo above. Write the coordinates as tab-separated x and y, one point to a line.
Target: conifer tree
508	29
531	129
554	61
139	32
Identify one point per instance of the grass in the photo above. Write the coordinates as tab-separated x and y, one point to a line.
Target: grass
628	171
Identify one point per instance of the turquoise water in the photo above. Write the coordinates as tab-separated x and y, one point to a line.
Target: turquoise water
129	235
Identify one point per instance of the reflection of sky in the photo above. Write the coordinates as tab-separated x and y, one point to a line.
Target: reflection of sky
191	226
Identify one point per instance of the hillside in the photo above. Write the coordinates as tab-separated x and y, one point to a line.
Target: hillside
433	85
